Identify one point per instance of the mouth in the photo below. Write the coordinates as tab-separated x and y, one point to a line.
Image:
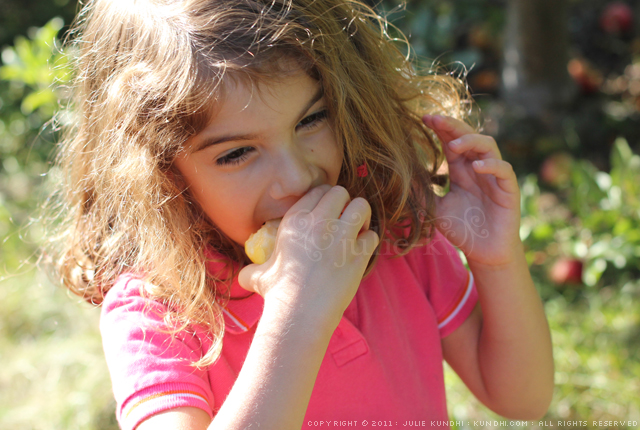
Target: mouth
271	220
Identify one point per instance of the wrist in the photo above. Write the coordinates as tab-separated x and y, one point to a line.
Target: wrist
516	258
287	315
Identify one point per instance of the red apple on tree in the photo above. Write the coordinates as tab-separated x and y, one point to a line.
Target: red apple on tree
556	169
588	78
616	18
566	271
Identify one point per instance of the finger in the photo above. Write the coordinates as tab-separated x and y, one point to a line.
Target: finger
368	242
309	201
447	128
248	278
473	145
332	204
503	172
357	214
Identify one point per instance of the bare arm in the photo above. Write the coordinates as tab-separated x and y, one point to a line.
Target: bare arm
503	351
277	378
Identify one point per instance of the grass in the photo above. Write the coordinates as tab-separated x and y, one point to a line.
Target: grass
54	375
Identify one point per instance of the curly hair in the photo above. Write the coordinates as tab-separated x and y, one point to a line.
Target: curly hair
148	75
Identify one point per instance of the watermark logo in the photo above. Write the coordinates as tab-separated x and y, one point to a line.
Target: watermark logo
318	235
315	236
462	231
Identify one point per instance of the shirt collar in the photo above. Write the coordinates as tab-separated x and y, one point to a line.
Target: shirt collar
243	310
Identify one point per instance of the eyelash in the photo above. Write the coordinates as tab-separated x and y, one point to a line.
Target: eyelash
239	155
313	120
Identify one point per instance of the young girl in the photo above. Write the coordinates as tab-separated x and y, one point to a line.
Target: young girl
200	120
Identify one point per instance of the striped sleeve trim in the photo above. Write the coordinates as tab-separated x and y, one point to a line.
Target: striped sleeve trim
243	326
459	303
156	401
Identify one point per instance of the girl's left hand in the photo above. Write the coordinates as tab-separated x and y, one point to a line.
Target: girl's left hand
481	212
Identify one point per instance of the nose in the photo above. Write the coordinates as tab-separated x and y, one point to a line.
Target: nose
294	174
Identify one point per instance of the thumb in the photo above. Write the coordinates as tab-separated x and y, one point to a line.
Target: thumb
248	277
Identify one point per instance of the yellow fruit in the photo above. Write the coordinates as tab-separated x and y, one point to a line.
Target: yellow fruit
260	244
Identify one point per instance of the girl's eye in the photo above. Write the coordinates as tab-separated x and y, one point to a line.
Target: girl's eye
313	120
235	157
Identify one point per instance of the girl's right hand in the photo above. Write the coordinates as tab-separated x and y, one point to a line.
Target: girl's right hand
320	255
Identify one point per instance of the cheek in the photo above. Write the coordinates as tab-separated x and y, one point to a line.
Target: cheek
218	199
337	158
228	205
331	152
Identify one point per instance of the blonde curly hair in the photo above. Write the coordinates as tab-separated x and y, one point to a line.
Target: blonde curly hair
148	75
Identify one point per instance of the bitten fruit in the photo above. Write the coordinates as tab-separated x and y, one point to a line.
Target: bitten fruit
260	244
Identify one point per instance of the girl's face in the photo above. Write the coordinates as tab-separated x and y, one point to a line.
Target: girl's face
261	153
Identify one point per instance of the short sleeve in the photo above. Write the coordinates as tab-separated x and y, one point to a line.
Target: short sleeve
150	369
449	285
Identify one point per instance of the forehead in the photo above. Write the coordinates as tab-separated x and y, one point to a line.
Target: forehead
220	79
239	92
244	105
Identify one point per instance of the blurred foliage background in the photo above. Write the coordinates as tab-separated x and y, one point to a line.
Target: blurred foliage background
577	162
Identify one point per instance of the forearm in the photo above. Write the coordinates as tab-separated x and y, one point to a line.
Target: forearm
275	384
514	351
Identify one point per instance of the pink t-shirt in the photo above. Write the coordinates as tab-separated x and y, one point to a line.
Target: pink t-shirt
383	363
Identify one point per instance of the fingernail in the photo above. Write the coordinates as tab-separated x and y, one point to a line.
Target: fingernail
479	163
455	142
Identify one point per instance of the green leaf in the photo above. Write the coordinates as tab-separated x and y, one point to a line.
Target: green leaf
620	153
10	72
594	270
621	226
529	193
39	99
39	66
543	231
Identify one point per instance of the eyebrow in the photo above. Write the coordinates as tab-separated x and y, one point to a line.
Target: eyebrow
206	142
